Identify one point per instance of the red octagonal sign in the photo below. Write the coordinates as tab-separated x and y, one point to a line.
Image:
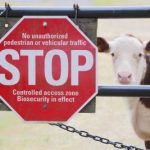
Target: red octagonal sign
47	69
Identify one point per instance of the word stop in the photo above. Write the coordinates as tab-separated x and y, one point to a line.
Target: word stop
31	55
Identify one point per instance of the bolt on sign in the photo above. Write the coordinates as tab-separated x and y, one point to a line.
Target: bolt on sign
47	69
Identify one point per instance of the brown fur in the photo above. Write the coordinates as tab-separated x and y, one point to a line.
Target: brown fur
147	145
102	45
146	81
147	48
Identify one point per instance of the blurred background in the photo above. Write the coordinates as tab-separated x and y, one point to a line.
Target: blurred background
111	119
70	2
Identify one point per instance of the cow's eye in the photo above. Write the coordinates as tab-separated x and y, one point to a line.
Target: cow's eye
112	54
140	54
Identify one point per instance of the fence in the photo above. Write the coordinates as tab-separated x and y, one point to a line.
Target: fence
83	12
90	12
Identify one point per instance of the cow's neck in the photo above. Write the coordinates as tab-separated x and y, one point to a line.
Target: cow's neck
146	81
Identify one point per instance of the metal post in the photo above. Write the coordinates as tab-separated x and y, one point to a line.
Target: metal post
131	90
83	12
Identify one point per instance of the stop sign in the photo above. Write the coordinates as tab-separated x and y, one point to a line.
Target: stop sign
47	69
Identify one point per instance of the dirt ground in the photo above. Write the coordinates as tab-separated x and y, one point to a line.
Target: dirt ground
111	119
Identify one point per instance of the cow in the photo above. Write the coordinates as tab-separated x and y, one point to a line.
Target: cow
132	67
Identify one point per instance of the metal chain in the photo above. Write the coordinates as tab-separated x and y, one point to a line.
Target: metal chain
117	145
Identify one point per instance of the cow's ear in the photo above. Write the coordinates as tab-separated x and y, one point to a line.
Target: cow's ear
102	45
147	46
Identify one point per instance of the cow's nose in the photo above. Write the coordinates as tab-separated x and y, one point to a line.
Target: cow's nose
124	77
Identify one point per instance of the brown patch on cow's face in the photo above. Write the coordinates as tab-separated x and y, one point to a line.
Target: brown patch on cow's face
102	45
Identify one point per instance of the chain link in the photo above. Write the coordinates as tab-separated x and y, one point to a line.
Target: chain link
117	145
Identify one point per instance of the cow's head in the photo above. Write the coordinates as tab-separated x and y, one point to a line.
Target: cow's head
128	57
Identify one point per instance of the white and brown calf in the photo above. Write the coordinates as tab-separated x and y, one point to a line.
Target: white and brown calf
132	66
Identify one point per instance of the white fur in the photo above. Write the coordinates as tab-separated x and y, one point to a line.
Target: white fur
126	58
